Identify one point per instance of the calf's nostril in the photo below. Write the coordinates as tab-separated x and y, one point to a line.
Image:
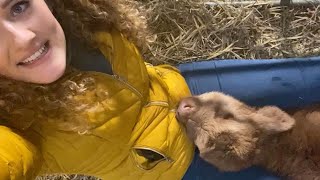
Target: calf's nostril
187	107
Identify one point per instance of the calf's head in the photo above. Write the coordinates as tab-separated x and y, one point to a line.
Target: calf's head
226	131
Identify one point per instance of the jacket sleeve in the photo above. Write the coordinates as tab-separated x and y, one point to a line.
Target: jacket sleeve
125	59
18	157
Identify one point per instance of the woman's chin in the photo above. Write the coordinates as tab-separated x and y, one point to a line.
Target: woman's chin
52	77
45	75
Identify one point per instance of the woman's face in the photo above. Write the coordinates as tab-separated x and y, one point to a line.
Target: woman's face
32	42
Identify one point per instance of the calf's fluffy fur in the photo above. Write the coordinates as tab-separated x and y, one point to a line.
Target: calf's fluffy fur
233	136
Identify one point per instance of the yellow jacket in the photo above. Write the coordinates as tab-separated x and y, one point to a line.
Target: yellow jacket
136	135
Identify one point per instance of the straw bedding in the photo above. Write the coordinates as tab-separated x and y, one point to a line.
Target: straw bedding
187	30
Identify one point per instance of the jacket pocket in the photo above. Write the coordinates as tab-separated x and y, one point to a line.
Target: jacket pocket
147	158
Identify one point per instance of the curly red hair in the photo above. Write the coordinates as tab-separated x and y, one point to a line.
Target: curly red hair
82	18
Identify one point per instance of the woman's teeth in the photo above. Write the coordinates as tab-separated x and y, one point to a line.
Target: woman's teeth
35	56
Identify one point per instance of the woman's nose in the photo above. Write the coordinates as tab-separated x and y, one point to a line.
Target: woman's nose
20	36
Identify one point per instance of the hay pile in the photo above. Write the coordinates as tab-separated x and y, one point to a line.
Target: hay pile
188	30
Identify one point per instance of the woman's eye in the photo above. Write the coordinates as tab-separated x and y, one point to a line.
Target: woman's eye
19	8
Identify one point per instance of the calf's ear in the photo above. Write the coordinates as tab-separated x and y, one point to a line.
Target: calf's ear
272	120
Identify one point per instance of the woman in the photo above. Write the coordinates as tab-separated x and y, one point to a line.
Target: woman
113	123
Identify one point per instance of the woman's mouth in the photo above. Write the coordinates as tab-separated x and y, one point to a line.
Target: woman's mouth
36	56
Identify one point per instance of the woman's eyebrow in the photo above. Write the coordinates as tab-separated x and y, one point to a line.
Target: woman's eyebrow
5	3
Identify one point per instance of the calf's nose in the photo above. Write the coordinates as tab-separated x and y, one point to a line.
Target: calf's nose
186	108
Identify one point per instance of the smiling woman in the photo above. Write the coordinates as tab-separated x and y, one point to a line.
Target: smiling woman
33	47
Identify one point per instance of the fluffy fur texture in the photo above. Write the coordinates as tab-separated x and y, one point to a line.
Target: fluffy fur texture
233	136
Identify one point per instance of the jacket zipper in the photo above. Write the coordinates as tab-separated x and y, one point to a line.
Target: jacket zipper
133	89
157	103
